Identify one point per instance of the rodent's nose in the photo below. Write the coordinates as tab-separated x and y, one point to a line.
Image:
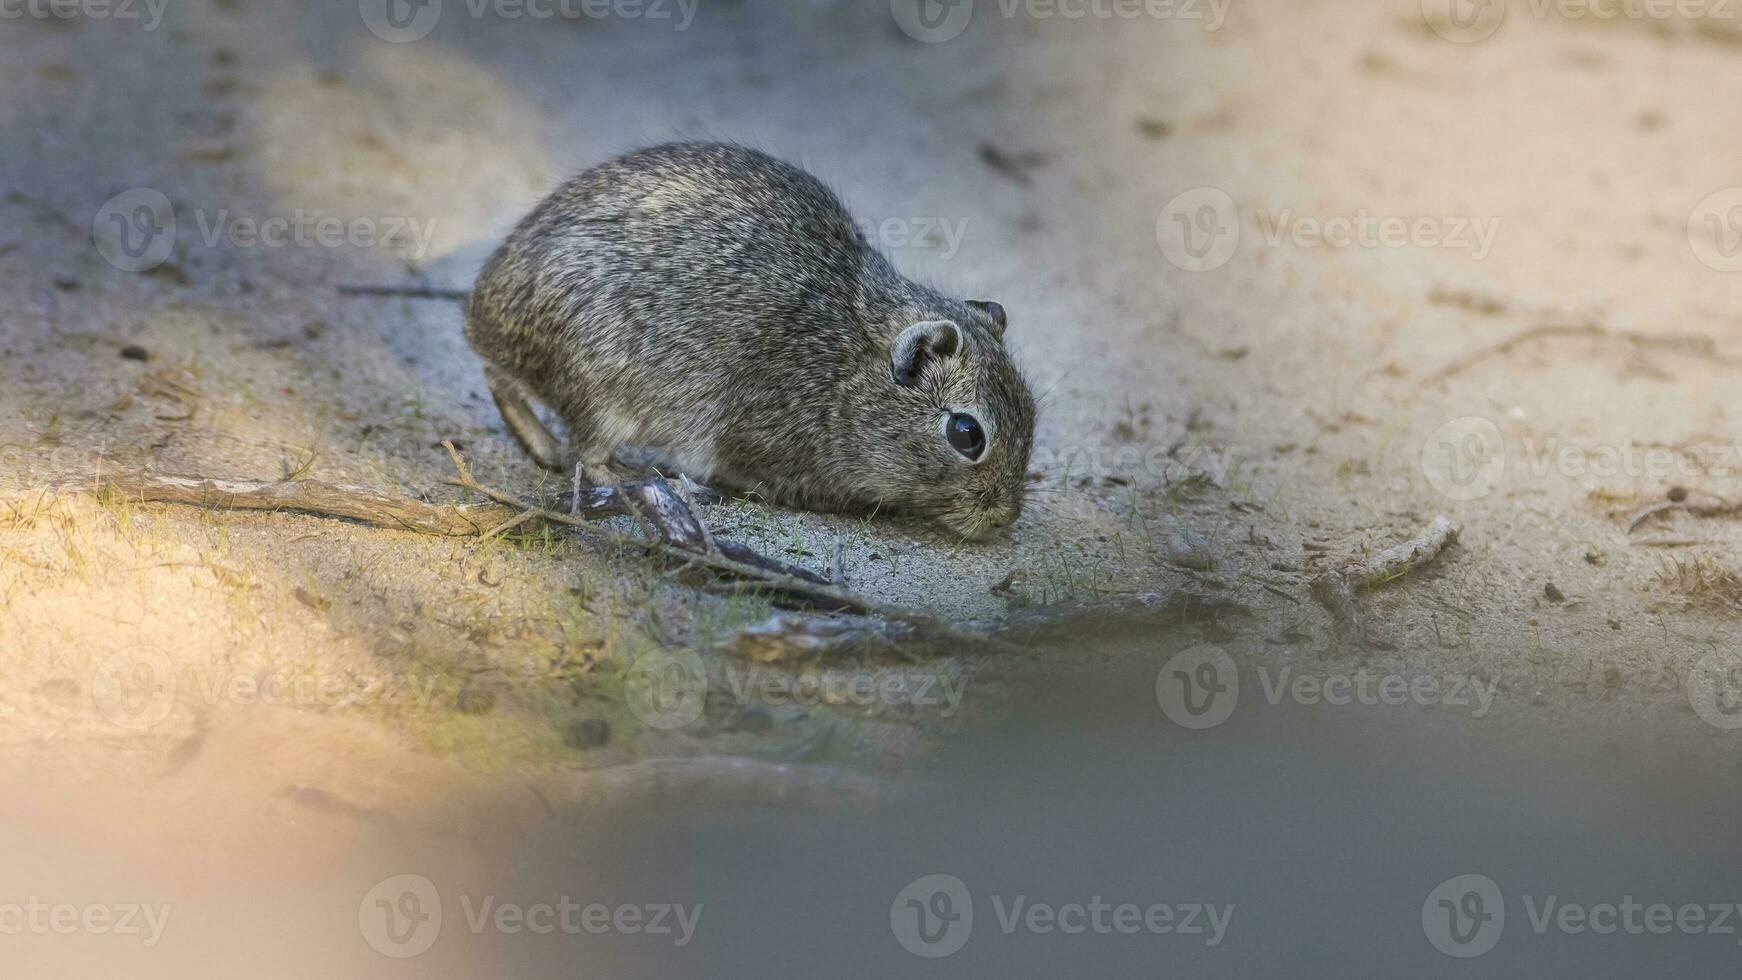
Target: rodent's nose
1003	515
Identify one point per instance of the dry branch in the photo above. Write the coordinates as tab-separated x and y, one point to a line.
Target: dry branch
679	532
1684	343
1723	508
310	497
1336	590
408	292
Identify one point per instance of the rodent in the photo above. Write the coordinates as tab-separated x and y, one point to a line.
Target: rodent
722	307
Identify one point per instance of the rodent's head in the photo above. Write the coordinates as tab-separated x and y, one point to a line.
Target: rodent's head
951	421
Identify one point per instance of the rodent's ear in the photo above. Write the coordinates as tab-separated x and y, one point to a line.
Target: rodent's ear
993	310
918	344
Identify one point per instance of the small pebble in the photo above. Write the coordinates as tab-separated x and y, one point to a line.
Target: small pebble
1554	593
588	733
1186	548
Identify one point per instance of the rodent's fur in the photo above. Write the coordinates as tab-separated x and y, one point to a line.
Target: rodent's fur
715	304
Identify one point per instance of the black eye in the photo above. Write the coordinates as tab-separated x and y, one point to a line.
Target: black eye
966	435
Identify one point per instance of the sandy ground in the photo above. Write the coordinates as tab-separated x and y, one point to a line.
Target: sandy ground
1229	407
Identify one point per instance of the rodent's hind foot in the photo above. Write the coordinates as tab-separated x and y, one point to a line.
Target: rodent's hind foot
590	472
523	423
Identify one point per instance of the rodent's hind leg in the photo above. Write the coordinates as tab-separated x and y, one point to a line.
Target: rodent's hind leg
523	424
599	467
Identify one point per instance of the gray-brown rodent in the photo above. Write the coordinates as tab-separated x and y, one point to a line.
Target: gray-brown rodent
722	308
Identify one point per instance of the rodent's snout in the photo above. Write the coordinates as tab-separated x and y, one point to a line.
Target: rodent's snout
1007	514
979	521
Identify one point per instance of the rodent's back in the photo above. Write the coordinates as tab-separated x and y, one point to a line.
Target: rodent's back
700	242
747	266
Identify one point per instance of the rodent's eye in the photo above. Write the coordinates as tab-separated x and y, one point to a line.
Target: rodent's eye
965	435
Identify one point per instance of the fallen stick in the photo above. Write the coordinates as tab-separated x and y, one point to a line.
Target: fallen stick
464	520
408	292
310	497
1723	509
678	531
353	503
1684	343
1336	591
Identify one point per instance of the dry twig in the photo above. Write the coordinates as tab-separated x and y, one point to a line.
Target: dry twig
408	292
1684	343
1336	590
679	532
1722	508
